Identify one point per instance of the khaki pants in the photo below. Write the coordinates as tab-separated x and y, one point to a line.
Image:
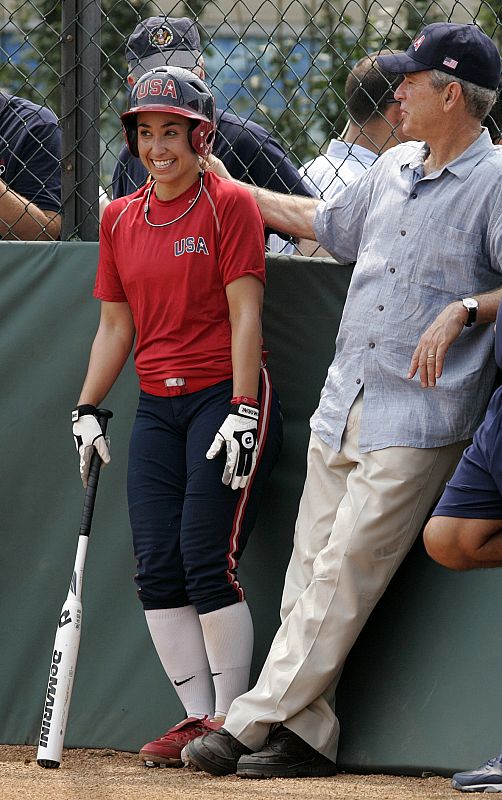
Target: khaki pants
359	515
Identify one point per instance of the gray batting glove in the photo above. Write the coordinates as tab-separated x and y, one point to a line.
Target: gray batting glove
239	432
88	437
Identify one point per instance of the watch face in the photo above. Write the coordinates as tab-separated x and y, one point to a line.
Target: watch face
470	303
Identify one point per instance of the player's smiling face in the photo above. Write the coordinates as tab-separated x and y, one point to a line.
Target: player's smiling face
165	152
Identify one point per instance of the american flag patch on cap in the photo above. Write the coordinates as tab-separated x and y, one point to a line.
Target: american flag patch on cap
450	62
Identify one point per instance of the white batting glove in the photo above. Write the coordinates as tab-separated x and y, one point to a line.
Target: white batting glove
88	437
239	432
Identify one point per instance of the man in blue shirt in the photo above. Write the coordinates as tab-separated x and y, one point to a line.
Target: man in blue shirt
30	175
408	386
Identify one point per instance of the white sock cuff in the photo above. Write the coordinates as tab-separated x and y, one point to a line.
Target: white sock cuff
229	636
170	613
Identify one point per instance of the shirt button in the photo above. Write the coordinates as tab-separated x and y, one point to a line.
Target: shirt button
403	233
358	380
392	269
414	196
380	308
371	345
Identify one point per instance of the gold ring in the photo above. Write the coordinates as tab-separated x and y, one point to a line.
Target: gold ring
431	355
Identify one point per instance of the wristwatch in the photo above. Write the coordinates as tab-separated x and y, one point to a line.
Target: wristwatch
472	306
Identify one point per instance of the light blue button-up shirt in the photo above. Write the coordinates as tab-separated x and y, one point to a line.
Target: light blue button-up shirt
419	243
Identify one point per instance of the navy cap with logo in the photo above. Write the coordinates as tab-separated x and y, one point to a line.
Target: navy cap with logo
462	51
158	41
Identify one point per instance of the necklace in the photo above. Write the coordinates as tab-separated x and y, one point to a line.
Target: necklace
164	224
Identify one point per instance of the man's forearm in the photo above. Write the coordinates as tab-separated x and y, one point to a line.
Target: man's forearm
488	305
431	351
21	219
289	213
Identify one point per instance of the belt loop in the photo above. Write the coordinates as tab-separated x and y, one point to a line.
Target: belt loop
174	382
175	386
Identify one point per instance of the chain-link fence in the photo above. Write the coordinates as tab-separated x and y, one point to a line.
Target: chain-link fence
281	64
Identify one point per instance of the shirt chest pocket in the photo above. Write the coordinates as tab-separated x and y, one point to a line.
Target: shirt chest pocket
449	260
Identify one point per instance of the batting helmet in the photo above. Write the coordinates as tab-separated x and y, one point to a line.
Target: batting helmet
176	91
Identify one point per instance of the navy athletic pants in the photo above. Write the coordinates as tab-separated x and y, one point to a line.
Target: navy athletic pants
189	529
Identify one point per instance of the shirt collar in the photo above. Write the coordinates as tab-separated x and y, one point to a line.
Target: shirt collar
337	148
461	166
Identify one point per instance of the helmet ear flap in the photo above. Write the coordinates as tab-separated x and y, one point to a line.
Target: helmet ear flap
201	137
131	135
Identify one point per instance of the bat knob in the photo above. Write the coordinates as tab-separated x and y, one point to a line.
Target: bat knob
47	763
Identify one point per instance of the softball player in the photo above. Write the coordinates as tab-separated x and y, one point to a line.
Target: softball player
181	270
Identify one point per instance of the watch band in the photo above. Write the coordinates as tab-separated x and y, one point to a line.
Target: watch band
471	306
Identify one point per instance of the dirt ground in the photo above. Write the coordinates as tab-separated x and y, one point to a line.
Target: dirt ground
110	775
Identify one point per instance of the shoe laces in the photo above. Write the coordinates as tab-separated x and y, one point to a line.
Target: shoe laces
212	725
492	761
185	730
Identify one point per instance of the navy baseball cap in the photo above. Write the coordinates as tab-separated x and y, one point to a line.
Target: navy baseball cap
462	51
158	41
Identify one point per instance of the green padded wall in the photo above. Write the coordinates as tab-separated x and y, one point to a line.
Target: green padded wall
409	699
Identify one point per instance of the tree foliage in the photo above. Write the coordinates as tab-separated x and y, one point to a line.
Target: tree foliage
293	83
410	18
30	49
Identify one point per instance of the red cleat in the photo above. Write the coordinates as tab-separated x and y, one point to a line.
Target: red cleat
166	750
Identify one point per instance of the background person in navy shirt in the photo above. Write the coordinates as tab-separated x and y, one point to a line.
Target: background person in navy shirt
248	151
30	177
465	531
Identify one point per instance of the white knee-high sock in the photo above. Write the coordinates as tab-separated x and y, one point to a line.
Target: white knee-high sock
229	638
178	640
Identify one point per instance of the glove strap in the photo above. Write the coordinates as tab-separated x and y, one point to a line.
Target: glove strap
81	411
242	410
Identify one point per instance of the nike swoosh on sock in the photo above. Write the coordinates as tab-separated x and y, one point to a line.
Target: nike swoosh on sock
179	683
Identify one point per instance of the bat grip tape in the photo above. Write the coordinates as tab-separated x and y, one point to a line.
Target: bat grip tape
92	481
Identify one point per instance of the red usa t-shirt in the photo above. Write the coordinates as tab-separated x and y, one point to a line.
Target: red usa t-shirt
174	277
